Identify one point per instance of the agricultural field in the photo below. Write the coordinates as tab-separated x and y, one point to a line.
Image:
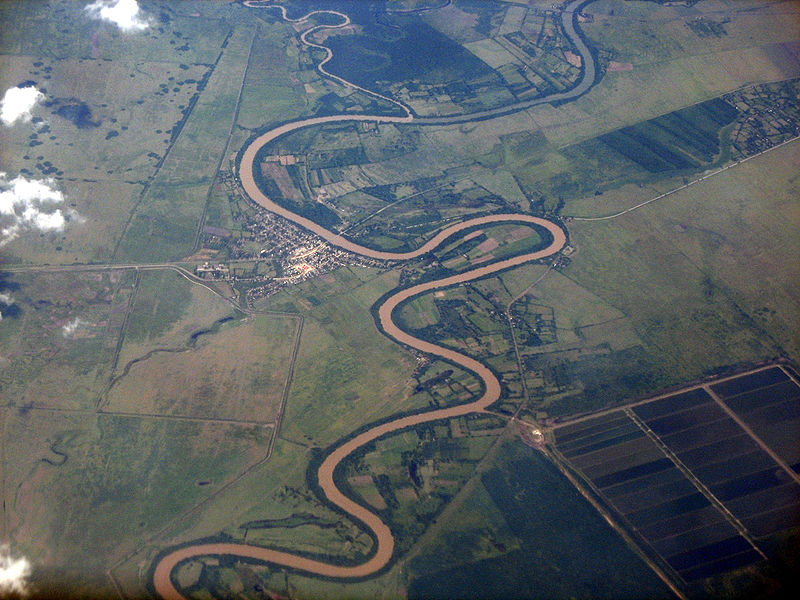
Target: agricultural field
690	480
409	478
657	64
228	370
381	184
472	319
767	403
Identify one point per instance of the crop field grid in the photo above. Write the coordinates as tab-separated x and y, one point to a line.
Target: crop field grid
703	475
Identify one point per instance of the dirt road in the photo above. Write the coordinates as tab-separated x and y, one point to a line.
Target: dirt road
162	578
385	540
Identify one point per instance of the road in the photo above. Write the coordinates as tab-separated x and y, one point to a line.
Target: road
685	185
385	540
384	547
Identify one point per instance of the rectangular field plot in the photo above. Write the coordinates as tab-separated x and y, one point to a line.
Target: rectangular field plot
700	486
646	487
745	478
768	402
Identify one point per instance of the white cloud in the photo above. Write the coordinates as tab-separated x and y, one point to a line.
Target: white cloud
69	328
125	14
29	204
14	573
8	301
17	103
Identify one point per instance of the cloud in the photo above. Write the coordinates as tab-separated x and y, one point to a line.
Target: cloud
5	300
69	328
28	204
125	14
17	103
14	573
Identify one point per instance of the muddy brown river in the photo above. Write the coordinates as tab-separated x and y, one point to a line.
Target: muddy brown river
385	540
162	578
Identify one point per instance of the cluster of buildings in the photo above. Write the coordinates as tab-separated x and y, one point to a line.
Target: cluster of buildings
769	115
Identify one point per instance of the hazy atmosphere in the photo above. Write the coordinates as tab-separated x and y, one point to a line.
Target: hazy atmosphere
399	299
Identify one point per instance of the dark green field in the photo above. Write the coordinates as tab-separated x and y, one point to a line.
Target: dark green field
564	549
683	139
175	361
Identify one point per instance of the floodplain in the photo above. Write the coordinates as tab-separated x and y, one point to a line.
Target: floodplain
177	362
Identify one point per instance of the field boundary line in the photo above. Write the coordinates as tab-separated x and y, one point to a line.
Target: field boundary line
746	428
4	523
685	185
137	279
161	416
583	486
202	221
790	374
287	384
687	472
527	397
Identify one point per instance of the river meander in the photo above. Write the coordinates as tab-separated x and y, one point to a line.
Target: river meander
384	547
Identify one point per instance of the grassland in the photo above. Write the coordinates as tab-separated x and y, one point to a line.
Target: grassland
236	371
121	479
118	481
166	221
268	76
112	108
58	343
706	276
166	311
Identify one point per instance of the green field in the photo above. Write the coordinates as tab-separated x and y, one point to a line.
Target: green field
707	276
118	481
58	343
525	532
143	409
